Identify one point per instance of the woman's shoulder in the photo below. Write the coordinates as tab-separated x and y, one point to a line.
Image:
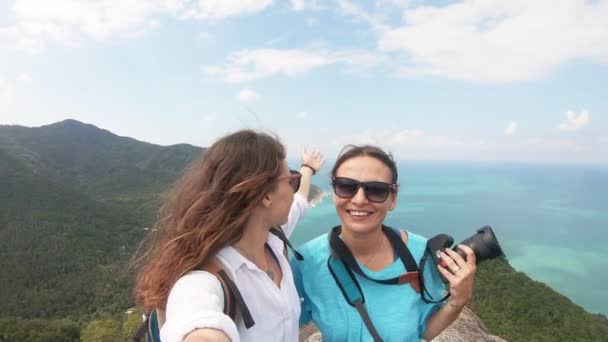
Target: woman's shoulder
194	283
315	249
415	243
415	239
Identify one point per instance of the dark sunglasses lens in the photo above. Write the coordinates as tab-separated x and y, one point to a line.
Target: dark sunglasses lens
295	181
345	188
377	192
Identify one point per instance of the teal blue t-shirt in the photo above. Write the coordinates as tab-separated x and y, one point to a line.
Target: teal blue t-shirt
397	311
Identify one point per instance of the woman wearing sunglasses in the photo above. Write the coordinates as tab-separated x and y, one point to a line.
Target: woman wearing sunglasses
387	303
220	213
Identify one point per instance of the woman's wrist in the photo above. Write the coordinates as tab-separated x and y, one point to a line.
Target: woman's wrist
459	306
310	167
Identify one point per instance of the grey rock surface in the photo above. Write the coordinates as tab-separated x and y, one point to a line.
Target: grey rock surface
467	328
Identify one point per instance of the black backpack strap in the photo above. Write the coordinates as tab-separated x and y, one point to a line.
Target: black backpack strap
236	298
351	290
394	236
411	276
149	330
232	295
368	321
142	331
278	232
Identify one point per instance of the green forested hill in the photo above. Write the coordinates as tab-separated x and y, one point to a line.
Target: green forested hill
97	162
59	249
518	308
75	201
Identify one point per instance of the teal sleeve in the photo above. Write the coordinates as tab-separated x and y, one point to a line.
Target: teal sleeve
305	315
437	290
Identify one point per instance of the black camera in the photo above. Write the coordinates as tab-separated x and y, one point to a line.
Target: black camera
484	243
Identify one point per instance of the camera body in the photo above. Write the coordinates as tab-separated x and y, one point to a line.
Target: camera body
484	243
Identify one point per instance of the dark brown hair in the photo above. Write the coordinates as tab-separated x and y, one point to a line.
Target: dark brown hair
207	209
351	151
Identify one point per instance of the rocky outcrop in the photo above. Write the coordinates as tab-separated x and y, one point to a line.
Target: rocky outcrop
467	328
315	195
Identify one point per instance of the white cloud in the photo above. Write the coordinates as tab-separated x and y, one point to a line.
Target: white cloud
301	5
399	3
247	95
220	9
68	21
24	78
498	41
511	128
246	65
574	121
359	14
302	115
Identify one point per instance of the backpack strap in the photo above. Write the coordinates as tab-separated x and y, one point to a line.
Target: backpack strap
278	232
142	331
232	295
350	288
149	330
150	327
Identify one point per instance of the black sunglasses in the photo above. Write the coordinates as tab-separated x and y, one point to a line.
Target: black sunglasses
294	179
376	192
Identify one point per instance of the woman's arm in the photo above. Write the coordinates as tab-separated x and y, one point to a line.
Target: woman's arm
311	163
207	335
460	274
195	310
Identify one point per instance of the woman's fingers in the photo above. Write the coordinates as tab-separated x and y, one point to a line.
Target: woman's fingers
447	274
456	257
448	262
470	253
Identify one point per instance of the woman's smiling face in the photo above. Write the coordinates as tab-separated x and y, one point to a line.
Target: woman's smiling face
357	213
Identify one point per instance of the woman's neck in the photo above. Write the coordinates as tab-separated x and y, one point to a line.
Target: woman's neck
253	240
363	245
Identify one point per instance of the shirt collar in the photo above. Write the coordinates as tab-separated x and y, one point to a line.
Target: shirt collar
235	260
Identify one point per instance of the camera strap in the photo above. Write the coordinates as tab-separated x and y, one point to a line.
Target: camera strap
342	264
428	300
404	254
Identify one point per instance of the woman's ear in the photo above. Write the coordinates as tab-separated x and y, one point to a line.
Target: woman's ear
267	200
393	204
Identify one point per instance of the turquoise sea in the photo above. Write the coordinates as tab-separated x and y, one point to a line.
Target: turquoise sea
551	220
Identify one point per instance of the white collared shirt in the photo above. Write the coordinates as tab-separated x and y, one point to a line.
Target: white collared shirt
197	300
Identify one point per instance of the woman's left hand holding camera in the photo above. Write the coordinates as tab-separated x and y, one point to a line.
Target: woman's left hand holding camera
460	273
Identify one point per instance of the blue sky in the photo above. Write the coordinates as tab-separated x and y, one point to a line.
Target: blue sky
468	80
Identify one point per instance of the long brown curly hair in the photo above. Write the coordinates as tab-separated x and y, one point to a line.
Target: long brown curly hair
207	209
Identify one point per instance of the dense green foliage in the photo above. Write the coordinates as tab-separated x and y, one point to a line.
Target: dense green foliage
101	329
518	308
38	330
51	237
75	204
75	201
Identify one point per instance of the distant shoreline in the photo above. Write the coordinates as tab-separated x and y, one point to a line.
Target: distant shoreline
317	197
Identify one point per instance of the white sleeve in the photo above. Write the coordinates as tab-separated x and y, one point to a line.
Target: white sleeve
298	209
196	301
